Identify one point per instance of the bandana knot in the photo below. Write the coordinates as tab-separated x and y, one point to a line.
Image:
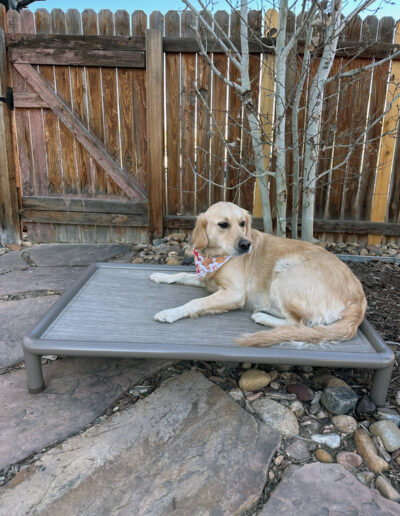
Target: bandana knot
206	266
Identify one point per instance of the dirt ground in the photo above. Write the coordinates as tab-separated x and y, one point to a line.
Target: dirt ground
381	282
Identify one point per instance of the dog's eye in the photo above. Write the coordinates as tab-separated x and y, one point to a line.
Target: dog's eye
242	224
223	225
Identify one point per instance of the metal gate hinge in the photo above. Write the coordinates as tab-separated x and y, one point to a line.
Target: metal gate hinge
9	98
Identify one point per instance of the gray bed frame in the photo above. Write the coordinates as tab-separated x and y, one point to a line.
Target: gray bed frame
109	310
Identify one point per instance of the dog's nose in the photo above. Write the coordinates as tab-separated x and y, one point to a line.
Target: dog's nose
244	245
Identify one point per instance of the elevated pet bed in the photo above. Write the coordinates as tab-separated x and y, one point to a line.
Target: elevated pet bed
109	312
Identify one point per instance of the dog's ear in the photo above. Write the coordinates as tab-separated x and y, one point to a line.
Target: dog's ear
199	237
248	225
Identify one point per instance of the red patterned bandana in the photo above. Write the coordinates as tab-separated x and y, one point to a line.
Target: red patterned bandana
206	266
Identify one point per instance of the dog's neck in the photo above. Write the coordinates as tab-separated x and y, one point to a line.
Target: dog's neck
206	266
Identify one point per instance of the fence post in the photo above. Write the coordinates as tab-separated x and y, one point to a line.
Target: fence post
155	130
387	150
9	218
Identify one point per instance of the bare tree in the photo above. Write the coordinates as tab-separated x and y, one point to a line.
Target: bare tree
318	28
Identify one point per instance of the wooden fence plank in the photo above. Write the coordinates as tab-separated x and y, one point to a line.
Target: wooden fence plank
79	104
219	115
178	44
172	85
50	122
344	132
363	227
387	148
76	41
188	104
98	178
234	122
394	201
203	125
377	100
9	222
75	218
155	130
90	142
247	189
85	204
139	27
25	151
358	121
59	56
267	104
109	99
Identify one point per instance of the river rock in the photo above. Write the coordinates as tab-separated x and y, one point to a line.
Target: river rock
323	456
365	406
349	460
346	424
388	432
277	416
298	451
386	489
297	408
387	413
303	392
366	477
339	399
367	450
254	380
236	394
331	440
327	380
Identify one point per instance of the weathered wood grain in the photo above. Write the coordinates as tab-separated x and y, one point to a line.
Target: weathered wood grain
85	204
321	226
86	218
90	142
155	128
172	99
219	115
59	56
387	148
9	222
188	108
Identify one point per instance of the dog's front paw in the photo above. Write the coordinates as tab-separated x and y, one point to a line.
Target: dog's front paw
160	277
169	316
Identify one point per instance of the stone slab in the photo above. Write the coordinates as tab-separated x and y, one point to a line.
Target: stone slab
185	449
39	278
12	260
74	254
326	489
78	391
17	319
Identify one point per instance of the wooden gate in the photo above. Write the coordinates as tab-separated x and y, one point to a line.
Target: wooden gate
83	121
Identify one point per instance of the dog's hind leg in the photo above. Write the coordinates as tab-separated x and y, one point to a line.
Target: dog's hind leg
182	278
268	320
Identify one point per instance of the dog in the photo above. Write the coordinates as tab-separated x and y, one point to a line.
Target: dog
304	292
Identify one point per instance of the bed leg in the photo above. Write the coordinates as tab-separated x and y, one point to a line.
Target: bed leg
33	365
380	385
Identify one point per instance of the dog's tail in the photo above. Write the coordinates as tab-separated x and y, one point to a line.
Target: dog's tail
344	329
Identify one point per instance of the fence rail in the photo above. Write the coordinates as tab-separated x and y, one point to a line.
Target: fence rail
111	142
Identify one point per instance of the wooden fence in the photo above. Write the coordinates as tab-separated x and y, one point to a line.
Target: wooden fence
107	129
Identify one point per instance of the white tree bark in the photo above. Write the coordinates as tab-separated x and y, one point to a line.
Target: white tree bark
313	121
281	53
254	124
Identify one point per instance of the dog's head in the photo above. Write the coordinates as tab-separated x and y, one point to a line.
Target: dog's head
224	229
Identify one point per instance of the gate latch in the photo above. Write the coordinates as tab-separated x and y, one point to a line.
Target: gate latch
9	98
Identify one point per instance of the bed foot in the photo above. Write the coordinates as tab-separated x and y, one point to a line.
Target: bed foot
33	365
380	385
